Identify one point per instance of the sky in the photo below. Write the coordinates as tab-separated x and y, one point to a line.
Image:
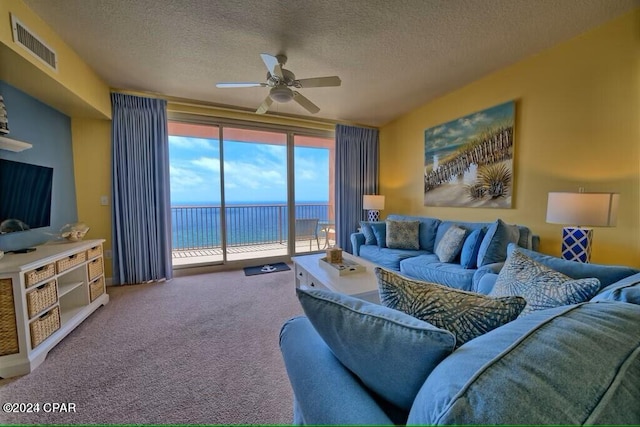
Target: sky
253	172
445	138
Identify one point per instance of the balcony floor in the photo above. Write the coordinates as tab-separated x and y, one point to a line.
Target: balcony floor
183	258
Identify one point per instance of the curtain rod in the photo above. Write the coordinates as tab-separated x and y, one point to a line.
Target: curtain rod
232	109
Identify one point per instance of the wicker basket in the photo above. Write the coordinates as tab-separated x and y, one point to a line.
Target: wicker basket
39	274
96	288
95	268
8	328
43	327
94	252
42	297
71	261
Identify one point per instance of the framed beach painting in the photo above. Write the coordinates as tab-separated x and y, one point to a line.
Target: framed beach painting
468	162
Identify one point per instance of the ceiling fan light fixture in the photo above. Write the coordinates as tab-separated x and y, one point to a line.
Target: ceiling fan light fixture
281	94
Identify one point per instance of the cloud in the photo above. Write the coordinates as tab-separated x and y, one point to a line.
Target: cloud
183	178
473	120
208	163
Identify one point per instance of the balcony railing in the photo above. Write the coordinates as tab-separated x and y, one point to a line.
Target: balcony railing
200	227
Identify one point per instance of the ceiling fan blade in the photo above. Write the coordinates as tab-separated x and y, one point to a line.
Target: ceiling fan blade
272	64
320	82
265	105
240	84
305	103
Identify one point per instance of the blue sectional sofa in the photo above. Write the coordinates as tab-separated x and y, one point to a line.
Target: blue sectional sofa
354	362
465	271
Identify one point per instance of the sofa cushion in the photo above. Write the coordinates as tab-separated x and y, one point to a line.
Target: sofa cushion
466	314
391	352
369	237
427	230
428	268
606	274
572	365
625	290
470	249
403	234
494	244
540	286
387	257
451	244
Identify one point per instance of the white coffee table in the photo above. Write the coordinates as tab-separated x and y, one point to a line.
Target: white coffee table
311	275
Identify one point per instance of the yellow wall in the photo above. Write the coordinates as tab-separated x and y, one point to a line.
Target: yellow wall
92	169
577	125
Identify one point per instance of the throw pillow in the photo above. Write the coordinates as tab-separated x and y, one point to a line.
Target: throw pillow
494	244
391	352
451	244
470	249
465	314
541	286
380	231
403	234
367	230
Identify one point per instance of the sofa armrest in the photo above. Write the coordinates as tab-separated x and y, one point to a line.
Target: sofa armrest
325	392
357	240
485	277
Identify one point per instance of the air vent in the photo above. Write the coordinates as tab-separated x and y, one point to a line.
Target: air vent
27	39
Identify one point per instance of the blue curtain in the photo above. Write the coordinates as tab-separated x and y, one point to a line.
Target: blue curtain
356	175
141	203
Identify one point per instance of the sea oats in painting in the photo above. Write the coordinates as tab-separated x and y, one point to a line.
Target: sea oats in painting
468	162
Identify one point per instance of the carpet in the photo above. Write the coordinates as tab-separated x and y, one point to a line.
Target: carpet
264	269
199	349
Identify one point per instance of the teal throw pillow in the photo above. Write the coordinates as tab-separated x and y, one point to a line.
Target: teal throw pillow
470	249
494	244
367	230
403	234
451	243
465	314
541	286
391	352
380	231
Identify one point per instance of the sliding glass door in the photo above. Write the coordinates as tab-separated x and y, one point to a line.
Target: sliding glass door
233	198
196	194
314	158
255	192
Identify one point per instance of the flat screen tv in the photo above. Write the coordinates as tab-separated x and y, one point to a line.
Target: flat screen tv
25	196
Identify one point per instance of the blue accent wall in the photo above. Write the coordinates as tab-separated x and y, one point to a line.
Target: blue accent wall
49	131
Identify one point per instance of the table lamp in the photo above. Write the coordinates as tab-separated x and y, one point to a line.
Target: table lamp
374	204
581	210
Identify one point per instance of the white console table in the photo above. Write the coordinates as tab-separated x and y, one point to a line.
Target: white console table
44	295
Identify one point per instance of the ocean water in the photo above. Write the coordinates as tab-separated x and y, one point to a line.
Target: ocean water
198	225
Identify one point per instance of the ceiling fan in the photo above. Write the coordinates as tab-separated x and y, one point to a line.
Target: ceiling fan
281	82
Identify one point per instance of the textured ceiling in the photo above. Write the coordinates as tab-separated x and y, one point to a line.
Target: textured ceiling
392	55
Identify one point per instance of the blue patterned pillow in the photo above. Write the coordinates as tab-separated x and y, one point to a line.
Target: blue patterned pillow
541	286
367	230
380	231
451	243
391	352
403	234
470	249
465	314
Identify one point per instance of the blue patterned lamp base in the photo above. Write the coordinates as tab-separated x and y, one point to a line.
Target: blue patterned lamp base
576	243
373	215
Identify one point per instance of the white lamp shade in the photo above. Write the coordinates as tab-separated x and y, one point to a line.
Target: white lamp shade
374	202
583	209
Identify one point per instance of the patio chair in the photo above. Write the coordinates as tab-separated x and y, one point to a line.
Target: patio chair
307	229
